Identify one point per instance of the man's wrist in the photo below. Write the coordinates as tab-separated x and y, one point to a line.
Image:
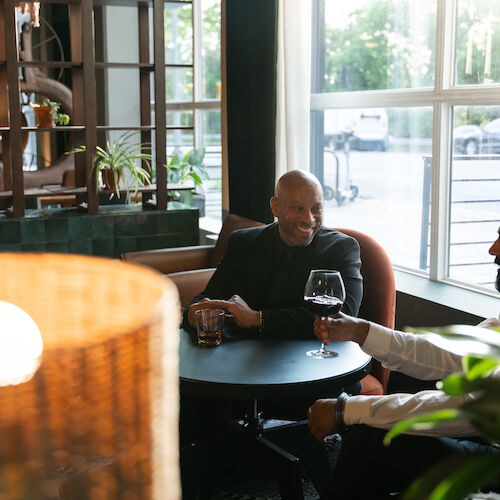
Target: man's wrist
339	411
362	331
261	322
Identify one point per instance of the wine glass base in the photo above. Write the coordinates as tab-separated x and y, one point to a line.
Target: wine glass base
322	353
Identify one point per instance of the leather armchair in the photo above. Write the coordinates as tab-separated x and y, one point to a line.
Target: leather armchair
379	300
190	268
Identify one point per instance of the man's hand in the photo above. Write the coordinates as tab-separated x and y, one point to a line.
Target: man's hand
341	327
243	315
321	418
205	303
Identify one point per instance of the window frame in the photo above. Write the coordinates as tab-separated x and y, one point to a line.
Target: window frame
198	103
442	98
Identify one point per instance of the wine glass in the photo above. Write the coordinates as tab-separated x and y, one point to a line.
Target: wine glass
324	294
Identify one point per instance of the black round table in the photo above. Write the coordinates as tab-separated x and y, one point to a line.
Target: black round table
256	368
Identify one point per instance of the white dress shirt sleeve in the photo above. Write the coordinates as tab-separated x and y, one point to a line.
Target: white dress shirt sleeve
414	356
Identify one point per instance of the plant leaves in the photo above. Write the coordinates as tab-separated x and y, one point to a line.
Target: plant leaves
196	178
455	477
453	385
421	422
196	157
478	367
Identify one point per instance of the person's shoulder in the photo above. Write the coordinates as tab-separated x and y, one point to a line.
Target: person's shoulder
249	234
331	237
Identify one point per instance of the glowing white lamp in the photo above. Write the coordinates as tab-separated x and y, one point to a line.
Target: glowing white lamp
21	345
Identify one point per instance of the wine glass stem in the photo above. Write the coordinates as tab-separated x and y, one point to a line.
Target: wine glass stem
323	348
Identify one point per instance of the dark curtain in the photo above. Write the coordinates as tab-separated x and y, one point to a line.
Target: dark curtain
251	52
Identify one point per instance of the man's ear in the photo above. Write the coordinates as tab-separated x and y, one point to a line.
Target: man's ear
274	203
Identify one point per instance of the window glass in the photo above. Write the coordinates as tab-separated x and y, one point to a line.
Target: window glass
178	33
377	44
211	138
180	118
210	56
376	169
477	35
179	84
475	188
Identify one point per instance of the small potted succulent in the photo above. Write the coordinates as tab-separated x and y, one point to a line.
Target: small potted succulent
47	113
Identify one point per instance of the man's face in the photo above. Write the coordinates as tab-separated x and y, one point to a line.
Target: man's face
299	210
495	250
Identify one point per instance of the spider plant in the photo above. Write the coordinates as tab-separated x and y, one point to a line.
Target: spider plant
119	156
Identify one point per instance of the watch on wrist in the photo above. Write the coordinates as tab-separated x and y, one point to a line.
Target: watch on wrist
339	411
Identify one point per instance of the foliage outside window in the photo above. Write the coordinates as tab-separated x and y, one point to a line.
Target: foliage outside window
403	128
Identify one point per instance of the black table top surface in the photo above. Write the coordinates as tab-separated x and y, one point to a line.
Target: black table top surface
255	367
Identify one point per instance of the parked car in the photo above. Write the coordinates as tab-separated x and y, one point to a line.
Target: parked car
467	139
491	137
472	139
366	129
370	130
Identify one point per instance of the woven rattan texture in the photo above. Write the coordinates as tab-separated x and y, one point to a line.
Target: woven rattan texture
106	389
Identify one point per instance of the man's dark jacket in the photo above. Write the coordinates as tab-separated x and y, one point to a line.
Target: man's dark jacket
270	276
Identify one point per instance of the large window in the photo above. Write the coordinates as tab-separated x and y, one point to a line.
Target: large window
405	129
192	55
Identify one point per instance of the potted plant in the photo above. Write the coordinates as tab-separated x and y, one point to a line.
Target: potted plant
47	113
120	156
189	168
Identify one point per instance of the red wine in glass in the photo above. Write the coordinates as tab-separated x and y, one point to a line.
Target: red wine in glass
323	306
324	295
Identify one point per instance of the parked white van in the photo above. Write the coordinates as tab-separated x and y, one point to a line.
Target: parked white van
369	128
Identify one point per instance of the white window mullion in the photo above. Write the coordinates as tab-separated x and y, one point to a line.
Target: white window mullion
440	195
197	54
440	145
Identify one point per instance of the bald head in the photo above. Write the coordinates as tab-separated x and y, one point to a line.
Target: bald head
298	205
296	179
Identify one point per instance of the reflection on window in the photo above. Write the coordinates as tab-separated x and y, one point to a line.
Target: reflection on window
475	193
377	177
378	44
477	35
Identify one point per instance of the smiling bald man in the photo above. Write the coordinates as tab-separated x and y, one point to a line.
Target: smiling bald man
260	281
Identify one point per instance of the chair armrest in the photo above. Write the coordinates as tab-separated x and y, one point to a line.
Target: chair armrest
172	260
190	283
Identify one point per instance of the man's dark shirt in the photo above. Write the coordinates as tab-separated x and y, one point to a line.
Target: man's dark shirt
270	276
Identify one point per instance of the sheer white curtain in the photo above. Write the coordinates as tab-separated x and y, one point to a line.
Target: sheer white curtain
293	85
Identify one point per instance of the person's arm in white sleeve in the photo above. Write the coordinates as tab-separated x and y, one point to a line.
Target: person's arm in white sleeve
385	411
410	354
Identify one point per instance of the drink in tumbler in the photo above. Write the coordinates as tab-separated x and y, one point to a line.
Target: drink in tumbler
209	324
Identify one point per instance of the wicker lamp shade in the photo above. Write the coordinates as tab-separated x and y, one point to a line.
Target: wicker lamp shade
101	410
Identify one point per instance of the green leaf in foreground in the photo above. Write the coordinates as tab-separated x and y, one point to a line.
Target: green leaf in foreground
455	477
420	422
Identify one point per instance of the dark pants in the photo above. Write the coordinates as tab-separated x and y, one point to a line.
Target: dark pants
369	470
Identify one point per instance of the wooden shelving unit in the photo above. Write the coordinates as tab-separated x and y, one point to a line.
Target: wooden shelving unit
83	128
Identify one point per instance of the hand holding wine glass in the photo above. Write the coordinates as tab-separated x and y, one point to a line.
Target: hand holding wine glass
324	294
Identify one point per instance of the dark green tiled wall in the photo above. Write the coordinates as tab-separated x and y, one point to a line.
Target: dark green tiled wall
115	230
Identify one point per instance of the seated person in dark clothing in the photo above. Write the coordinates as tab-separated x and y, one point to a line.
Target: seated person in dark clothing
260	281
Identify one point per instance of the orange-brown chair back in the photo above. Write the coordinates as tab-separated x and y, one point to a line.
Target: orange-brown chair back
231	223
379	291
